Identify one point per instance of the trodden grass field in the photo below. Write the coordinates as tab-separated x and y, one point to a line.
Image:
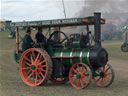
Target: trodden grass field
12	85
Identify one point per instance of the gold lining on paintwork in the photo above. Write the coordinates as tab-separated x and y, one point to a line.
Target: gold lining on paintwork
81	53
88	58
71	56
61	54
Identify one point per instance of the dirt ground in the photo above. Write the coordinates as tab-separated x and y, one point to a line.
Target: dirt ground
12	85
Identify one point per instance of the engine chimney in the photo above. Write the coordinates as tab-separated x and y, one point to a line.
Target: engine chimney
97	28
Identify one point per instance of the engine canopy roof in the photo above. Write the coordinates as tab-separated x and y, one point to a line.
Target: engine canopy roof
58	22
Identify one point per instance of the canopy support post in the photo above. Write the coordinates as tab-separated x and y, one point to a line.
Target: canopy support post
17	40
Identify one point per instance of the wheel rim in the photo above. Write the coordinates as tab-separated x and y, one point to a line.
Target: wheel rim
106	76
58	80
124	47
33	67
80	76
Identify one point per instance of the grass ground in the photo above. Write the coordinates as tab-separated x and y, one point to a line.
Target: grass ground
12	85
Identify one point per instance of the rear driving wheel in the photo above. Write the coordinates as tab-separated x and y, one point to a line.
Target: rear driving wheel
105	76
35	67
80	76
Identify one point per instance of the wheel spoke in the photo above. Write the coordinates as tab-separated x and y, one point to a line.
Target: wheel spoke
105	81
29	76
74	80
85	71
107	69
33	55
44	70
41	62
82	68
37	56
27	63
73	75
42	74
40	58
32	58
29	71
82	85
103	69
36	78
26	68
98	79
39	76
75	70
108	73
26	58
78	68
108	78
85	81
78	83
102	82
43	66
33	77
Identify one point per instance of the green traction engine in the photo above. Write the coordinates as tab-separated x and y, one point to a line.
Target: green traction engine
72	58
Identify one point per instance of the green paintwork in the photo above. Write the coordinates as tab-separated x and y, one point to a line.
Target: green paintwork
48	22
78	75
76	43
101	74
95	74
57	22
66	52
17	56
33	67
49	49
84	55
61	53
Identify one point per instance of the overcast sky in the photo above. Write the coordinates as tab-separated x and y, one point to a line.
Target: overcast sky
18	10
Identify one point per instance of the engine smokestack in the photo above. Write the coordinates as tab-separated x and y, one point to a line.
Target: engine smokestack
97	28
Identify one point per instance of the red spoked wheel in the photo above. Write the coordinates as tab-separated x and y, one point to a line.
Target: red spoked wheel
56	80
80	76
106	76
35	67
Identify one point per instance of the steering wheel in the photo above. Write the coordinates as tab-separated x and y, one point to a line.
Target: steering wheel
60	41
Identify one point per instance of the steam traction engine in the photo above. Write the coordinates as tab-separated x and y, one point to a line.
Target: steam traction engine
70	59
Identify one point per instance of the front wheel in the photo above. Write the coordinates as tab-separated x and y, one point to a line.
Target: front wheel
80	76
105	76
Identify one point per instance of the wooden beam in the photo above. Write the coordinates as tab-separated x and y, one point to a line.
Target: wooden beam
17	40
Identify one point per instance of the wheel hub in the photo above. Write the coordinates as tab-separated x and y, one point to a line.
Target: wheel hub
33	67
102	74
78	75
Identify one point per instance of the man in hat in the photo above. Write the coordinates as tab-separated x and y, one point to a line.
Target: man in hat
40	38
27	41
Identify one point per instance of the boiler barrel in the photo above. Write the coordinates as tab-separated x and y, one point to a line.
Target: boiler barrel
71	56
